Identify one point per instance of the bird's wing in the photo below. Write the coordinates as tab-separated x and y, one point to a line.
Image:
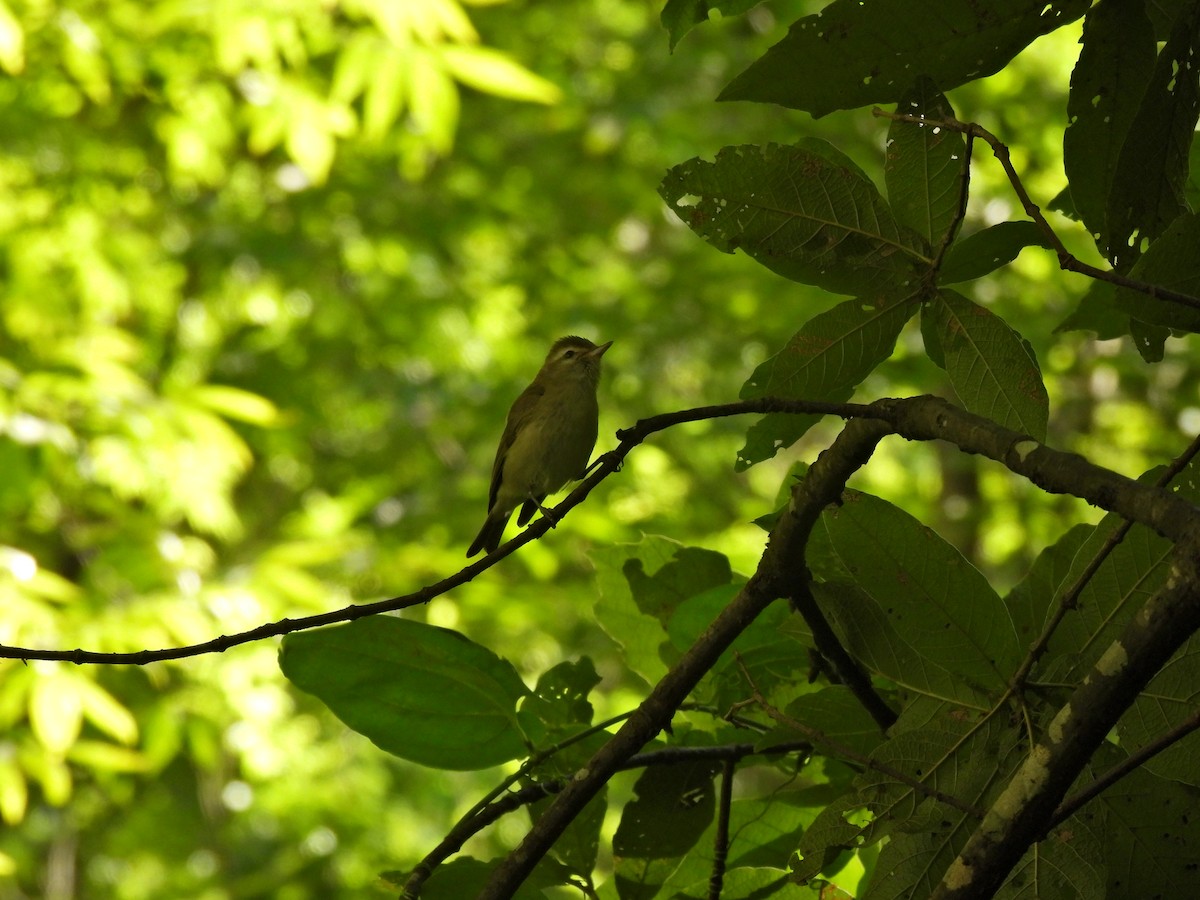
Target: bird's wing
521	409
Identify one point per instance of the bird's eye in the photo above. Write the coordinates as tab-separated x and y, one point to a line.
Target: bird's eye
570	354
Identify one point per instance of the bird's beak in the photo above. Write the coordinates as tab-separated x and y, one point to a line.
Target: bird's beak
599	351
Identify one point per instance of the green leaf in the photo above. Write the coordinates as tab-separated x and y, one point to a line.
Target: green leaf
559	703
936	601
874	642
465	876
854	53
1125	580
1148	184
1172	262
803	211
992	368
985	251
425	694
1152	829
1106	91
1168	701
578	844
1031	600
1070	863
672	807
924	166
681	16
1150	340
641	586
751	884
493	72
56	711
836	713
825	360
235	403
1097	311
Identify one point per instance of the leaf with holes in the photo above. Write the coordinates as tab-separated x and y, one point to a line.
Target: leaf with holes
854	53
804	211
924	165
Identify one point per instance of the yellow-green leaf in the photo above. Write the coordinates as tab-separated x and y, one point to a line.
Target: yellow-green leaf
493	72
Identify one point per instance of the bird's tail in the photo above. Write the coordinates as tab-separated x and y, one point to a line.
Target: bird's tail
490	534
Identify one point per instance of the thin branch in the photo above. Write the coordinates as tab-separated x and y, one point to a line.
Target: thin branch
1066	260
1135	760
1070	597
721	839
960	213
844	666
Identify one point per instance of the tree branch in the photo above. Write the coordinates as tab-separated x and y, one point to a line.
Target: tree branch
721	838
920	418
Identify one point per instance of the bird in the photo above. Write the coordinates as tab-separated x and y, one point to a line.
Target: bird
548	437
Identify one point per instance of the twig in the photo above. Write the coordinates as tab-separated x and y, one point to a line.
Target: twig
845	667
1070	597
1066	260
721	839
1135	760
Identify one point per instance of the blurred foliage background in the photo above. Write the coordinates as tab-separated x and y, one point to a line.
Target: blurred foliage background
270	276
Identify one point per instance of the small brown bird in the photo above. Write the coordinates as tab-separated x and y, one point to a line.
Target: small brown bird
548	438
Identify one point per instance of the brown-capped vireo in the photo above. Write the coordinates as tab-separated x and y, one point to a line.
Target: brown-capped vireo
548	438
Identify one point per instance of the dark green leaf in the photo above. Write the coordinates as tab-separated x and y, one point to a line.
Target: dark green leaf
673	806
985	251
804	211
824	360
1070	863
1168	701
992	368
835	713
934	599
1173	261
872	639
578	844
425	694
1152	833
466	877
1030	602
681	16
1149	339
1148	184
1126	579
1097	311
924	165
855	53
1107	85
559	702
